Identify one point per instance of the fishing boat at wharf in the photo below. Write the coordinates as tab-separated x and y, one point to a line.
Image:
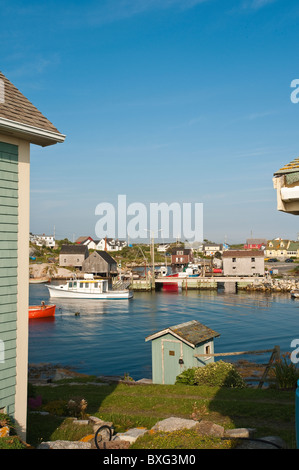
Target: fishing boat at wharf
89	288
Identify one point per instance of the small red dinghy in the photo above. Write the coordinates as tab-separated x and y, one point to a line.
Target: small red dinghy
42	311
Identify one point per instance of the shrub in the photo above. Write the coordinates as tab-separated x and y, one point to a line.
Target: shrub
77	407
286	372
219	374
56	407
187	377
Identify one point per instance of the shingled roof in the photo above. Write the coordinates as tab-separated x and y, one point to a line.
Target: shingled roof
291	167
242	254
20	117
73	250
191	332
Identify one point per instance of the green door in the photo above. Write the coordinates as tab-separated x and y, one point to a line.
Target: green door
171	355
8	273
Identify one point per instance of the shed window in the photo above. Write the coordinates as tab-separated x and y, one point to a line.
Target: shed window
208	350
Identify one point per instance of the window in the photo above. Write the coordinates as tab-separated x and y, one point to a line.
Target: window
208	350
234	260
81	285
70	285
179	252
86	284
171	353
96	285
253	260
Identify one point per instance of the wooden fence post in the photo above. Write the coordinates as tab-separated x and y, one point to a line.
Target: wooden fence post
275	355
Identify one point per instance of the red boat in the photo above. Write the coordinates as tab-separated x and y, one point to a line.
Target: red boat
41	311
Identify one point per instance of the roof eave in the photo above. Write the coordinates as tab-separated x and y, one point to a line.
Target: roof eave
35	135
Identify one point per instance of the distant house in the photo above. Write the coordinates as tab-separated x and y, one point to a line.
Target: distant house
111	244
210	249
73	255
277	248
286	183
243	263
255	244
100	263
43	240
293	249
87	241
181	257
178	348
163	247
21	124
83	240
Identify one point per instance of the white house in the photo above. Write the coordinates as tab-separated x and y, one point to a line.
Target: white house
47	240
211	248
163	247
243	263
111	244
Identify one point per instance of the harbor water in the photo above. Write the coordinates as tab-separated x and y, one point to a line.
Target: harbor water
101	337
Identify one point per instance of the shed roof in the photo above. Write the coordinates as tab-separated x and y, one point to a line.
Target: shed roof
242	254
20	117
106	257
191	332
73	250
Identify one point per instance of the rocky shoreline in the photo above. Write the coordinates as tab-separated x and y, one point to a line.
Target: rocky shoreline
273	285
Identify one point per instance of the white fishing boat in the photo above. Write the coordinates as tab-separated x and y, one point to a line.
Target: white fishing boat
88	288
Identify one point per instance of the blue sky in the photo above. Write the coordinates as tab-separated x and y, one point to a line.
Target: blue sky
163	101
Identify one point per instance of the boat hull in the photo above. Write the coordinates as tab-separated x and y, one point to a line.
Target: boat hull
33	280
56	292
41	311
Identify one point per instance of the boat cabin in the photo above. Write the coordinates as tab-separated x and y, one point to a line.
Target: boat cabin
87	285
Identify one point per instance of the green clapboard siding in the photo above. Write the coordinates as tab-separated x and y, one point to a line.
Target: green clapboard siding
8	273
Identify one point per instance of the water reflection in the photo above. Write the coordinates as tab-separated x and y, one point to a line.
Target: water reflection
108	337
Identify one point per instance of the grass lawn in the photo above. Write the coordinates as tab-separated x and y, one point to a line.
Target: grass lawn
269	411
